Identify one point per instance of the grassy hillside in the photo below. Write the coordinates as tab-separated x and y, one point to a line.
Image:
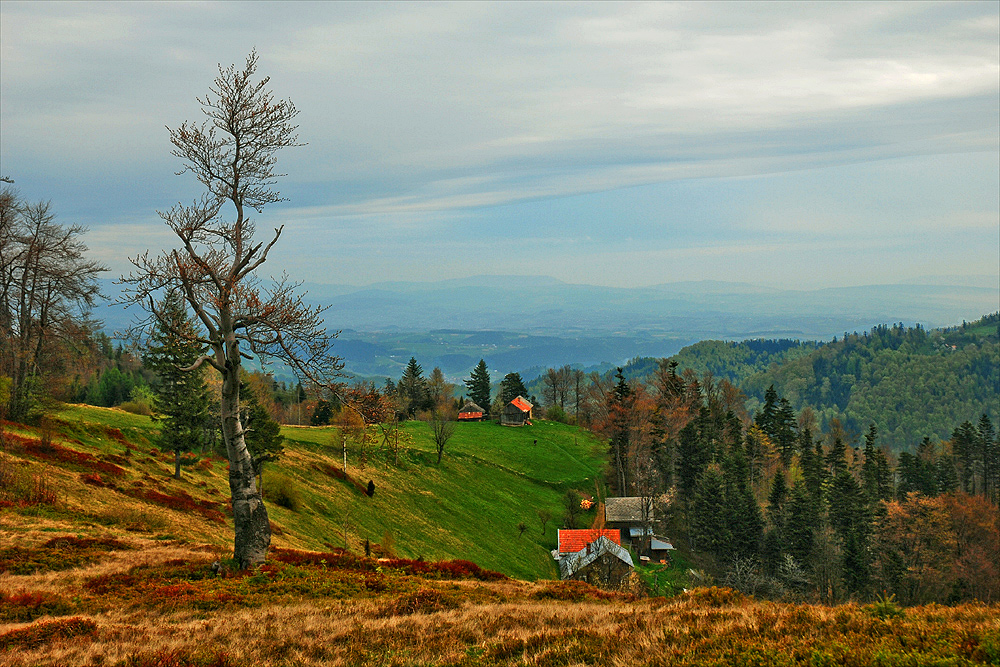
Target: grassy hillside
107	475
140	604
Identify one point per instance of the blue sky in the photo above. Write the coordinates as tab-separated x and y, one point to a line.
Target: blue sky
792	145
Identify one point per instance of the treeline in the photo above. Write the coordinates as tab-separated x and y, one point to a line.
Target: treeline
910	382
774	504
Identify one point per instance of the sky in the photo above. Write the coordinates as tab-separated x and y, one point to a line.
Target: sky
792	145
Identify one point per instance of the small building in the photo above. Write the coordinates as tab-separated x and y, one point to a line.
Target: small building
601	563
572	541
471	412
516	413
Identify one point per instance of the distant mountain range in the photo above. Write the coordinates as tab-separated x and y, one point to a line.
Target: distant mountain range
538	321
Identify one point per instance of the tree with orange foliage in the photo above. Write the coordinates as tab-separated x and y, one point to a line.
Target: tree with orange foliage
232	154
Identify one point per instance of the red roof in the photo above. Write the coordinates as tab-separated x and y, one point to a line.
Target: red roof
521	404
571	541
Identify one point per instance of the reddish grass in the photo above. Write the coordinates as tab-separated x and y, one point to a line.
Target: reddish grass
180	501
44	632
58	454
341	559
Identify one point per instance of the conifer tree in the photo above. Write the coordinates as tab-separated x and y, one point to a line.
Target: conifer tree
803	518
511	387
478	386
709	524
263	434
181	397
412	389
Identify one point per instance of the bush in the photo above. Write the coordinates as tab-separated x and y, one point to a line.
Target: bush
137	408
282	491
556	414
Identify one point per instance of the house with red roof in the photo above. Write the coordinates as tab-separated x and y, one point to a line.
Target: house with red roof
471	412
516	413
572	541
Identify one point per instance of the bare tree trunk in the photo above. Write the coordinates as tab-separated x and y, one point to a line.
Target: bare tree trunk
177	464
253	530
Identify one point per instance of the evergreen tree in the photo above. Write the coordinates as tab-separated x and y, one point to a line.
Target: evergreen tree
765	418
181	396
986	441
412	389
802	521
836	460
478	386
869	470
850	517
263	434
323	413
511	387
709	524
746	526
784	431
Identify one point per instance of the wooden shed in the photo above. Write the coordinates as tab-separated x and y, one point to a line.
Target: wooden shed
471	412
516	413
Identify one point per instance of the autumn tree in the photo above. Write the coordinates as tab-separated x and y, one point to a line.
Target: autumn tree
233	155
47	289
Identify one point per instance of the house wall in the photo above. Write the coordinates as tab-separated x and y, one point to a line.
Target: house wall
608	571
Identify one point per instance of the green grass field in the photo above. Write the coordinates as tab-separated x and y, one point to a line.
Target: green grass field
469	507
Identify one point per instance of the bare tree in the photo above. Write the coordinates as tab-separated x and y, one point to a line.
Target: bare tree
232	154
443	429
47	289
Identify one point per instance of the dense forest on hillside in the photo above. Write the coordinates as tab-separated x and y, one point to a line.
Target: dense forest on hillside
910	382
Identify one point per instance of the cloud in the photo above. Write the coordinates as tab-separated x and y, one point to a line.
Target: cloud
422	117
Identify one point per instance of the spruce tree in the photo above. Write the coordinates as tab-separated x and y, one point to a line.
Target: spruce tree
478	386
181	398
709	521
412	389
511	387
801	524
263	434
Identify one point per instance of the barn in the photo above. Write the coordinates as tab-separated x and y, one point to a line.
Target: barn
516	413
471	412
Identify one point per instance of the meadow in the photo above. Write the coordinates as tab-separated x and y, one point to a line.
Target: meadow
107	560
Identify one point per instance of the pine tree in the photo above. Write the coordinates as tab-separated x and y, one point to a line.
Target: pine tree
181	396
869	470
709	524
511	387
263	434
746	526
783	425
803	519
478	386
412	389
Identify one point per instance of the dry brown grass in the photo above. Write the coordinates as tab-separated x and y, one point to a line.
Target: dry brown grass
416	621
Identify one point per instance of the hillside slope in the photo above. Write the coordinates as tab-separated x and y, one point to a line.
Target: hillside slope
99	470
909	381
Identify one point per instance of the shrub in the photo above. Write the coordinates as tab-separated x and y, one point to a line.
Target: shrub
137	408
282	491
